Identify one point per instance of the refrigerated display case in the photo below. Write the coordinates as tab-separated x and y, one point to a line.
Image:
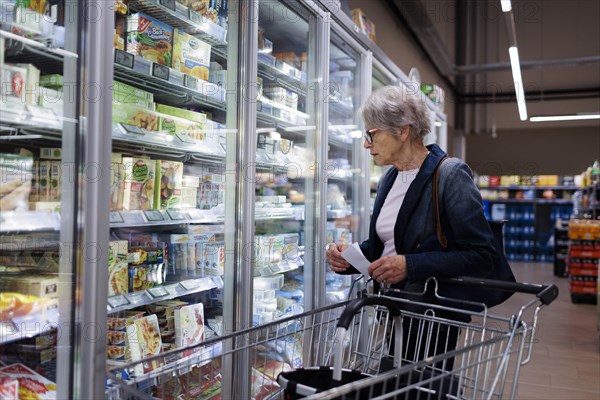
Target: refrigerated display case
215	188
49	168
347	195
174	132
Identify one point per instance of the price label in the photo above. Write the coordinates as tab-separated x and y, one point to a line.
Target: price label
132	129
117	301
190	284
133	218
170	4
196	215
177	215
158	292
123	58
154	215
190	82
115	217
195	17
160	71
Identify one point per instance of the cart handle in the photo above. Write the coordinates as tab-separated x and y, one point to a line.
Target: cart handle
545	293
356	304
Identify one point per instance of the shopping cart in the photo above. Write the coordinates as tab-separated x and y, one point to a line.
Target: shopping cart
383	346
443	350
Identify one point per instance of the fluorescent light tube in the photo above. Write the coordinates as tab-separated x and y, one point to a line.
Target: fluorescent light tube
506	6
572	117
513	52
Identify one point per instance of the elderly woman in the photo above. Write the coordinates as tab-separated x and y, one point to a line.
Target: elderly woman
402	246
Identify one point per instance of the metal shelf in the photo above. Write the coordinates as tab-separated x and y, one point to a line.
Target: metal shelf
129	301
340	108
25	116
181	17
281	74
29	221
149	218
173	86
135	140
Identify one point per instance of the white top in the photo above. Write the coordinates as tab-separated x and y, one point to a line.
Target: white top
389	212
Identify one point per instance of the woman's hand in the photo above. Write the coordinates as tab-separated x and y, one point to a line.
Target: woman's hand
389	269
335	259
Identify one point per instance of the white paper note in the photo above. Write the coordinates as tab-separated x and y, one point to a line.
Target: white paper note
356	258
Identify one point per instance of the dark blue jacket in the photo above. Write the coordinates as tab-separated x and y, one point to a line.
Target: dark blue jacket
470	250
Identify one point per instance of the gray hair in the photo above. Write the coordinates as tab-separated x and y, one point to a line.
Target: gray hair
393	107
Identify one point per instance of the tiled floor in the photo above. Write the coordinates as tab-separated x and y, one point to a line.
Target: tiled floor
566	355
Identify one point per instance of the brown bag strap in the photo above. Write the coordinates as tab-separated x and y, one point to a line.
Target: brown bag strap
436	207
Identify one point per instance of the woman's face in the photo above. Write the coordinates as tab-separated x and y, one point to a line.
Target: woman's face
386	146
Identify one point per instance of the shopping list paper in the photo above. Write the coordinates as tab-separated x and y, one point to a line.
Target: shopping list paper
356	258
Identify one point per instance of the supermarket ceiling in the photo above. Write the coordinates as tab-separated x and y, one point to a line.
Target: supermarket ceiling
467	41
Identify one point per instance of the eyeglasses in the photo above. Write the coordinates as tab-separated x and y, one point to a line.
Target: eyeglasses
369	134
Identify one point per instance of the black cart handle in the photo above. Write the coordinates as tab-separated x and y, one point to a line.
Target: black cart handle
545	293
356	304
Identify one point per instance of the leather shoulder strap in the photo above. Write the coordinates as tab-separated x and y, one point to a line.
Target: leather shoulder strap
436	206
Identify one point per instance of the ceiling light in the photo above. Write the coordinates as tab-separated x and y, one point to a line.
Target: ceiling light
513	52
570	117
506	6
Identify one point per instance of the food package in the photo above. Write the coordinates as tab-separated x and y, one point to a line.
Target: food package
133	114
213	258
191	55
55	181
9	388
13	305
214	11
117	186
31	84
139	183
364	23
189	327
118	273
34	285
122	320
31	384
169	176
124	93
16	174
150	38
144	341
13	82
179	121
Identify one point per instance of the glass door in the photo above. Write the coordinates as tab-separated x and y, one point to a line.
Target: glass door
39	197
286	169
171	169
346	172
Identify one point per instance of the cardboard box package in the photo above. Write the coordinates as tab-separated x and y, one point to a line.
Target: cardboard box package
118	273
150	38
139	180
364	23
191	55
169	176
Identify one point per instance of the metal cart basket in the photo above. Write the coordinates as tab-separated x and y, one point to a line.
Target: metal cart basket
383	346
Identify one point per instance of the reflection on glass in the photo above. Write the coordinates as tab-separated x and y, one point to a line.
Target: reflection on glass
344	155
284	161
167	250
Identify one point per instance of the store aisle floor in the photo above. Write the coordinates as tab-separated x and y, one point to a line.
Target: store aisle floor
566	356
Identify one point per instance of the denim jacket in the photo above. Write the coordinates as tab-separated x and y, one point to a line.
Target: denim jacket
470	251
